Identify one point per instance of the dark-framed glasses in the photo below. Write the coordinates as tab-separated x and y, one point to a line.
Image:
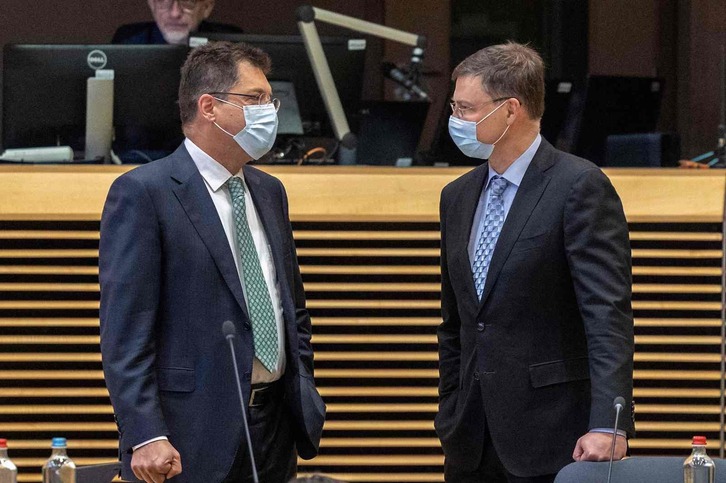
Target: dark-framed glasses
185	5
252	99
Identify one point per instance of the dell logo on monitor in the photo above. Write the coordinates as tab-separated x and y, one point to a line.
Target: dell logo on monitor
96	59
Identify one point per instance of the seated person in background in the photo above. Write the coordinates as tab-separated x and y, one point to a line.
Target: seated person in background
173	21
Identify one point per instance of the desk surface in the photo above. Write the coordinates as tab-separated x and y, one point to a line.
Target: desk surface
358	193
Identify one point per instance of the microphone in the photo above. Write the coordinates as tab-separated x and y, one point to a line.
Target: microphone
403	79
230	332
618	405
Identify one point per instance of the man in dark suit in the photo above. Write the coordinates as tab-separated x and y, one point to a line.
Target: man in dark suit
188	242
173	21
537	332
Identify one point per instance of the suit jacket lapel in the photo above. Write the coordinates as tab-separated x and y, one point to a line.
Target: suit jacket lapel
467	204
528	195
193	195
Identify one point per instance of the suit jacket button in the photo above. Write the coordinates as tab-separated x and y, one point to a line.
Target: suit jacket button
476	375
480	326
247	326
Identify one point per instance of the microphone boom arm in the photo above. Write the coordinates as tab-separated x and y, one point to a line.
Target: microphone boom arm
306	16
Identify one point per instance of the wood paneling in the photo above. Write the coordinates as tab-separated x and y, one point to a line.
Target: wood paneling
368	243
623	37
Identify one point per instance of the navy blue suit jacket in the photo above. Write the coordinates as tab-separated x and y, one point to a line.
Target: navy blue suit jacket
540	358
168	281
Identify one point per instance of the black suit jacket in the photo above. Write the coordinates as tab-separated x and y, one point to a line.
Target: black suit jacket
539	360
149	33
168	282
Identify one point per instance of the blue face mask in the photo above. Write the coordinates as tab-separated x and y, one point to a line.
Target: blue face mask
258	135
464	135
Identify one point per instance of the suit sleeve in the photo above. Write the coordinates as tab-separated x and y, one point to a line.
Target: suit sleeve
129	273
449	330
302	317
598	253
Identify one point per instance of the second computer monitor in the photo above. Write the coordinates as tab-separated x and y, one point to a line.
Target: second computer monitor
614	105
290	63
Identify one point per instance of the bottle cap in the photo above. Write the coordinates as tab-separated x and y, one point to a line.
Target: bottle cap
699	440
58	443
3	443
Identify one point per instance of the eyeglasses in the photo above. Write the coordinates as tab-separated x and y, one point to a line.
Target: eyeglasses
258	99
462	111
186	5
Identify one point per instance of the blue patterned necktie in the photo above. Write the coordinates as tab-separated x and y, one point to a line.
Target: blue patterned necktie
259	303
493	221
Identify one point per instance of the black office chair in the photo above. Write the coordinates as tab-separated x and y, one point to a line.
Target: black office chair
103	473
650	469
647	150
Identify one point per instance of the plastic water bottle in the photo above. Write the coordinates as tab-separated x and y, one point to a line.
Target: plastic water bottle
8	471
699	467
59	468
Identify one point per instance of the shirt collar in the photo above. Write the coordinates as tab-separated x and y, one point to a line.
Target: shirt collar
515	172
213	173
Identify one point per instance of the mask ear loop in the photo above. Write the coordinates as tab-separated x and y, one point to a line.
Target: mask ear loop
495	110
500	137
231	104
223	129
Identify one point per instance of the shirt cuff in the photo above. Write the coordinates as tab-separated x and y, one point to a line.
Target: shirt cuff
158	438
620	432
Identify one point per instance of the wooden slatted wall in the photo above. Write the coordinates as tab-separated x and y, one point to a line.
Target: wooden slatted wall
369	259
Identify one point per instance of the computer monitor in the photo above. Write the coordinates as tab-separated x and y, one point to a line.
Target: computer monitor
44	96
290	63
390	131
612	105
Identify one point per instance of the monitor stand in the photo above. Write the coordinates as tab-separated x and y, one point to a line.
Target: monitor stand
99	118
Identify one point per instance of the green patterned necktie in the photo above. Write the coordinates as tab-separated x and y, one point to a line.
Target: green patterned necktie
259	304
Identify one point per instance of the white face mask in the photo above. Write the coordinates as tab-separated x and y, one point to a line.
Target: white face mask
258	135
464	135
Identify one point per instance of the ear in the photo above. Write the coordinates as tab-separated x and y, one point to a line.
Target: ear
208	7
205	107
514	109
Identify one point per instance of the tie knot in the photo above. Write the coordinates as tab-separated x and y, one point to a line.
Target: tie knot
499	184
236	187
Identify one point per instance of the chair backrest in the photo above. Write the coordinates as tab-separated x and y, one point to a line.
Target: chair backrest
651	469
102	473
647	150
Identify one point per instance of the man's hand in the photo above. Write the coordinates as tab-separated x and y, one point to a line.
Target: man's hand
596	447
156	462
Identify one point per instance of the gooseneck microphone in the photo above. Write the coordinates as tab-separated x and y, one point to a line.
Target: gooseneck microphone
618	405
403	79
230	332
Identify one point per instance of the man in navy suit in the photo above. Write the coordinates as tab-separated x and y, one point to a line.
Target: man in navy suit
537	333
173	21
188	242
